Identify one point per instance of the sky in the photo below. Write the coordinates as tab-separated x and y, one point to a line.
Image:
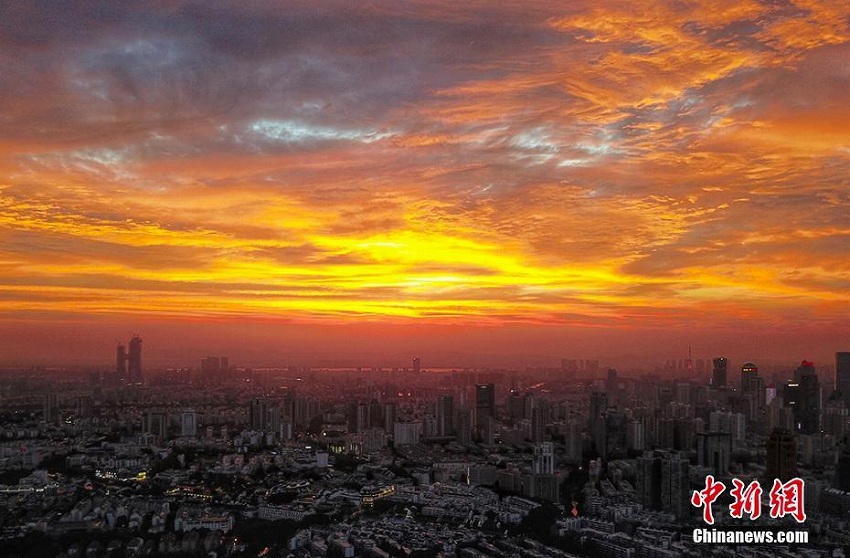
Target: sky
479	181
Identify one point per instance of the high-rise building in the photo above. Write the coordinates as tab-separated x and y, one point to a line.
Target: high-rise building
485	408
648	480
156	423
718	373
781	456
51	408
612	380
274	420
675	485
390	414
84	407
662	482
748	372
539	418
258	414
463	426
544	459
134	361
753	395
803	396
214	368
635	435
842	471
714	451
598	406
407	433
515	406
609	435
573	441
362	417
189	424
445	416
842	375
417	365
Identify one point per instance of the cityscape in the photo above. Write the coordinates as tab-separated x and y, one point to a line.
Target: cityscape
424	279
573	460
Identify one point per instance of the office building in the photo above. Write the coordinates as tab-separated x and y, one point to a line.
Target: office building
635	436
803	396
134	361
407	433
842	376
748	372
598	406
781	456
445	416
258	414
718	374
662	482
714	451
485	409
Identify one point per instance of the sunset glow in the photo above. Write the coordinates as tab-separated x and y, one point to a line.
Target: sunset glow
635	167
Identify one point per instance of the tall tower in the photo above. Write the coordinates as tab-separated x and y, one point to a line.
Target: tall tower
804	398
748	372
134	361
417	365
842	376
718	375
485	408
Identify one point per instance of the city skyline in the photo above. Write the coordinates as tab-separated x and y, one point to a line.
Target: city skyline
490	184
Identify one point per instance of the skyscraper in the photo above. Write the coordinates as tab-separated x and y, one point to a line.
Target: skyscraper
748	372
417	365
752	391
803	396
134	361
842	471
445	416
674	484
781	456
258	414
662	482
598	406
485	408
718	374
842	376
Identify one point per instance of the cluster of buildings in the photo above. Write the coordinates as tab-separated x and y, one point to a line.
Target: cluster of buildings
568	461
